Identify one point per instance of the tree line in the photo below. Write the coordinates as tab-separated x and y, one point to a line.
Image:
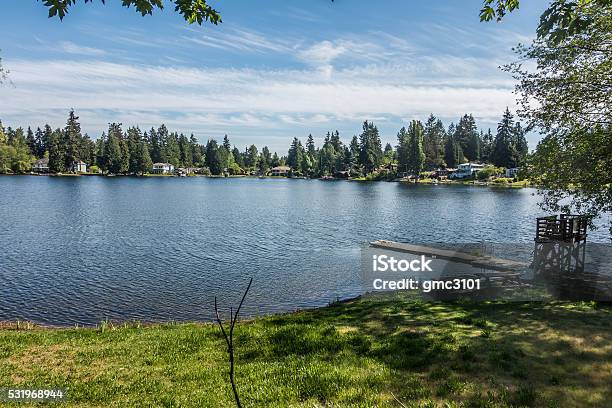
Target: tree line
419	147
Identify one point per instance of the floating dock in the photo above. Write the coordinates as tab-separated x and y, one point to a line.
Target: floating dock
477	261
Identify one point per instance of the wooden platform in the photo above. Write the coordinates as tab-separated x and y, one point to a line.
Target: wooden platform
477	261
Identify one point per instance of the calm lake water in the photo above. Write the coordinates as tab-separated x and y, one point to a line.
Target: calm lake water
82	250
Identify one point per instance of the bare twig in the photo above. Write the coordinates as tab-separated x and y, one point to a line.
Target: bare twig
398	401
230	339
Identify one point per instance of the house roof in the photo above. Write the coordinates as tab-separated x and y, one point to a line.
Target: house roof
43	161
281	168
162	164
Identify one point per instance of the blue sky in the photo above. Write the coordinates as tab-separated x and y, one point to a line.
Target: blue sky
274	69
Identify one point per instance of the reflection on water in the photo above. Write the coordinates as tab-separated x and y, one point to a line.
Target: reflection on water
80	250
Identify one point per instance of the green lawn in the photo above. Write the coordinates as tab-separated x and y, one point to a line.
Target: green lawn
374	351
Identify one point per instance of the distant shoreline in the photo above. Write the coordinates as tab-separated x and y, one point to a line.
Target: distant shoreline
518	184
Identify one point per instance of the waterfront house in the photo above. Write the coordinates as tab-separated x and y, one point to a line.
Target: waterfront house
41	166
280	171
163	168
512	172
79	167
466	170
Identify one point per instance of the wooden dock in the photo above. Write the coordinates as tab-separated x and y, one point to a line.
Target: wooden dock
477	261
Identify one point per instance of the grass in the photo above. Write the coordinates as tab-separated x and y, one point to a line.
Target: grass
369	352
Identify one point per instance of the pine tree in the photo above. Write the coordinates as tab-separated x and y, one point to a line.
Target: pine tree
402	150
72	140
56	152
335	141
227	144
213	160
31	141
370	154
144	161
433	142
185	151
251	156
466	134
238	157
275	162
416	155
453	154
504	153
294	157
197	153
310	147
39	142
113	154
171	150
134	139
155	146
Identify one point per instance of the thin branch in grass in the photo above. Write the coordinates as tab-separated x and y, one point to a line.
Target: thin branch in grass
229	339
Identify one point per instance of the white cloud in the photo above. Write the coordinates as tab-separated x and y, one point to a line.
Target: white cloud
341	83
72	48
322	53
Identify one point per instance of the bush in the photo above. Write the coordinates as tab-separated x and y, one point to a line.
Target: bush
94	169
503	180
488	172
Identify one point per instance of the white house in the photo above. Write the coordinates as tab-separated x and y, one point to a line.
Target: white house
41	166
280	171
512	172
79	167
163	168
467	170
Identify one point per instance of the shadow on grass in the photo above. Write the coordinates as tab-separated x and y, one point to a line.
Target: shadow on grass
471	354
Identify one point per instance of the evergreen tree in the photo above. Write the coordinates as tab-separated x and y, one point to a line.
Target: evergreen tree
113	152
310	147
251	157
56	152
504	153
213	159
335	141
370	153
46	139
171	150
294	157
227	144
402	150
134	139
31	141
466	134
39	142
520	144
155	146
100	152
433	142
197	153
87	151
144	162
186	158
453	154
487	146
72	140
238	157
275	162
416	154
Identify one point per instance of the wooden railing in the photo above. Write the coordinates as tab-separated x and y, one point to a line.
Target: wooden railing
565	228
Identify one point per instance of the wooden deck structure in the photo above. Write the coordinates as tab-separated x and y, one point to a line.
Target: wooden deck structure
477	261
563	228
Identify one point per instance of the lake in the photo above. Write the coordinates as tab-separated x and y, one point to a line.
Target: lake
80	250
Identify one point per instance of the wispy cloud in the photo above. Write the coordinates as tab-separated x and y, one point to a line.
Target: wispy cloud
237	40
72	48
